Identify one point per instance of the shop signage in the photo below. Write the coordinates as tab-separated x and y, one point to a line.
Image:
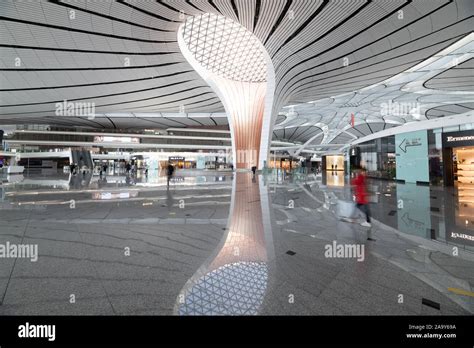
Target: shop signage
455	139
110	139
408	143
464	138
461	237
411	150
176	158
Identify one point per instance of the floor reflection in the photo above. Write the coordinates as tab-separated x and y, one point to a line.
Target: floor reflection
430	268
234	279
204	245
333	178
444	214
86	180
413	209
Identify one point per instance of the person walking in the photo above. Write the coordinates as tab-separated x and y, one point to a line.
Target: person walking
254	170
360	191
169	172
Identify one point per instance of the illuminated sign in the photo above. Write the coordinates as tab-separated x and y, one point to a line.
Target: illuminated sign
176	158
109	139
113	195
454	139
467	137
462	236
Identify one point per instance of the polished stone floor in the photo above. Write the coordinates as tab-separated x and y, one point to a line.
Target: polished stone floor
217	243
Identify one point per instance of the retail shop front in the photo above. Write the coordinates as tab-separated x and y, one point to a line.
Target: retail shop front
458	171
181	163
285	163
433	156
458	158
333	170
376	156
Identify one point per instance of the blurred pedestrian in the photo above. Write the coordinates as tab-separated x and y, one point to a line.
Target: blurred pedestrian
360	191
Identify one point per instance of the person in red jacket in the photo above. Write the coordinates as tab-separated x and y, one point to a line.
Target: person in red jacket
360	191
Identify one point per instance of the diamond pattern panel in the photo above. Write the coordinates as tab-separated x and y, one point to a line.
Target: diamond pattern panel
225	47
233	289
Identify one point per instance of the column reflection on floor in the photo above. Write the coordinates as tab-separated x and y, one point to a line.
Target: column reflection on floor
233	281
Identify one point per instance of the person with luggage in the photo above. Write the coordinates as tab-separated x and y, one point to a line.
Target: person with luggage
360	191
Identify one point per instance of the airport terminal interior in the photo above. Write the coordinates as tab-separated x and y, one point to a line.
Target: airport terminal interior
218	157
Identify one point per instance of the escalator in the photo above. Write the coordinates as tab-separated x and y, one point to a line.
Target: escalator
87	159
75	156
82	158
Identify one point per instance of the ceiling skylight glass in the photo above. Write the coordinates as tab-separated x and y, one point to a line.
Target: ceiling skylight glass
225	48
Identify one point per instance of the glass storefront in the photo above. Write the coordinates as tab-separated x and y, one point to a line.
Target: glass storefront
435	157
463	158
376	156
283	163
449	162
457	149
334	162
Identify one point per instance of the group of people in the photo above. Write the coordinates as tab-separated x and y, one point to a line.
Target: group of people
74	169
131	168
103	170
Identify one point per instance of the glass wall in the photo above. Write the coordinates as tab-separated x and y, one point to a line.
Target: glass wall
435	156
376	156
437	159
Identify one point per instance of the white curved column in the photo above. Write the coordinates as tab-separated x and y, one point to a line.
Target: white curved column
248	106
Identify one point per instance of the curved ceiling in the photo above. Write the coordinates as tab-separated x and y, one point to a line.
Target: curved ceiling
299	134
400	99
458	78
123	55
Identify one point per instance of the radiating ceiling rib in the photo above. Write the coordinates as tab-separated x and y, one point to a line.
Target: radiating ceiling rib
95	97
81	31
276	24
103	15
101	83
167	4
389	53
146	12
338	44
